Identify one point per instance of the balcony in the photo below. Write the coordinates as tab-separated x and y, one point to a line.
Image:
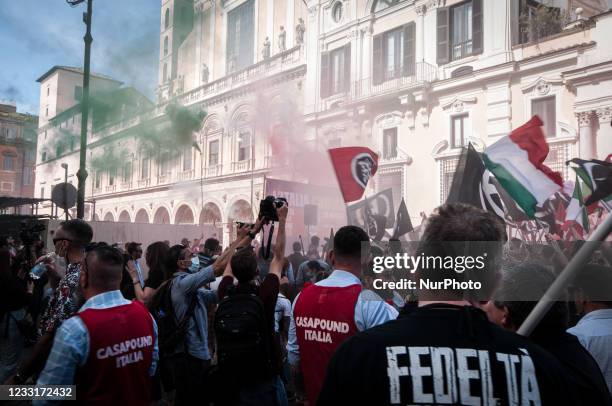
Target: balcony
163	178
241	166
213	170
144	182
186	175
278	63
422	74
110	188
126	185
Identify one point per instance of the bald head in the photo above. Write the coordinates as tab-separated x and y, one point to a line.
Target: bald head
103	268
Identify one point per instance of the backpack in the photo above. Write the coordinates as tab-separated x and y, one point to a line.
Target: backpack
243	342
170	331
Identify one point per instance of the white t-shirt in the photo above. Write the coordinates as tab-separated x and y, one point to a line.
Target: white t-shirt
283	309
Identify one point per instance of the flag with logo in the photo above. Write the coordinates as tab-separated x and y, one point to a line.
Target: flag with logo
597	176
474	184
374	214
354	167
517	161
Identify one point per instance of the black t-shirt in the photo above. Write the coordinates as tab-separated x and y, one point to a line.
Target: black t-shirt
155	279
443	354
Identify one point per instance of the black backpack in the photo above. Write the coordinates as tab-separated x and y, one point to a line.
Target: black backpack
243	342
170	331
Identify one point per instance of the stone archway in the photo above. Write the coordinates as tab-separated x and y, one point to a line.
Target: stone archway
184	215
96	217
210	214
161	216
240	211
109	217
142	216
124	217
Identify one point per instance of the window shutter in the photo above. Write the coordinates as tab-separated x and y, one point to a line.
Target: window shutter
477	27
443	36
409	50
377	59
325	75
346	80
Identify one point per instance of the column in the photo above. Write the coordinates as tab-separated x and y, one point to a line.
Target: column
212	75
270	20
290	25
586	134
198	50
420	34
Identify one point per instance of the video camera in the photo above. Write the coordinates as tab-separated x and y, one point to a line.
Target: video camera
268	206
267	212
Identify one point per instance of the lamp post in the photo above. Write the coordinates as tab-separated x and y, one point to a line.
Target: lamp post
82	172
65	166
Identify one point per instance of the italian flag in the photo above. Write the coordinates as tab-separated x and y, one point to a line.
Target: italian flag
576	211
517	162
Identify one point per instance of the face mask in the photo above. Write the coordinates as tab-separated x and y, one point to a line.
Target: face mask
195	265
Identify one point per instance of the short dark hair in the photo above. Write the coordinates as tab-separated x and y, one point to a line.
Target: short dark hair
211	244
446	228
132	246
297	247
314	266
110	270
348	242
519	290
80	232
596	283
244	265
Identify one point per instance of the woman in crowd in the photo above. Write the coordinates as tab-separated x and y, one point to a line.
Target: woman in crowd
155	257
129	279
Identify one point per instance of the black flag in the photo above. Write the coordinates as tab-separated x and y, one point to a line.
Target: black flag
403	224
598	177
474	184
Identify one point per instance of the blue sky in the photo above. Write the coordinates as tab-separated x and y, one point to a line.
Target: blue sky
38	34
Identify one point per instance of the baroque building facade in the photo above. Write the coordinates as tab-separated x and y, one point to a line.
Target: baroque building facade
413	79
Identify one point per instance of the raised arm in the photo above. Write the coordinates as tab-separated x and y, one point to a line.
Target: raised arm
276	267
245	234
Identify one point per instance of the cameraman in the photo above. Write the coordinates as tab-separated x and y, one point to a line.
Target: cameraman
15	295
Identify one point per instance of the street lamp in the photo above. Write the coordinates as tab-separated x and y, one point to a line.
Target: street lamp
82	172
65	166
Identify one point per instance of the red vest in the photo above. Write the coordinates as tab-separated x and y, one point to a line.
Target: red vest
324	318
121	341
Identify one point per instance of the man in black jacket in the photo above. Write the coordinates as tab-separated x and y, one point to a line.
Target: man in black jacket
446	351
520	288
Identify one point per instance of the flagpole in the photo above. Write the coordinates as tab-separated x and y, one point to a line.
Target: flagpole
564	279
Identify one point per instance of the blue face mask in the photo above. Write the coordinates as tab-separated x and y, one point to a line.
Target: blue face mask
195	265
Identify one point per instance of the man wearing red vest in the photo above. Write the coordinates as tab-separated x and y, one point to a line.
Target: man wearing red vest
330	311
109	349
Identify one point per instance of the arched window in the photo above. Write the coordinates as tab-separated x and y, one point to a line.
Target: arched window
383	4
165	73
165	46
167	18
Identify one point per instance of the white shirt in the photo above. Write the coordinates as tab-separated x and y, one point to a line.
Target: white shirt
282	309
594	331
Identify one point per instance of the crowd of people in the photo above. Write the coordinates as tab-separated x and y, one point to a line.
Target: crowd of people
196	323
